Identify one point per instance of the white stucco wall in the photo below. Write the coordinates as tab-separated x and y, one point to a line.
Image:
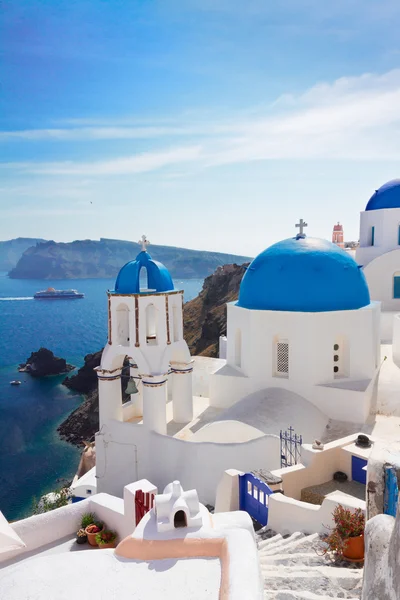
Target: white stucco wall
386	223
379	273
126	452
311	338
224	432
287	515
317	466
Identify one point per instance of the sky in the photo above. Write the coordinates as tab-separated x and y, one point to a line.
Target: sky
208	124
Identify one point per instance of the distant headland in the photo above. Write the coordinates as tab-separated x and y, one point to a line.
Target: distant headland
85	259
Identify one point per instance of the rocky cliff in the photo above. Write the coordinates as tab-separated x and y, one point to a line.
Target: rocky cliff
103	258
12	250
83	422
204	319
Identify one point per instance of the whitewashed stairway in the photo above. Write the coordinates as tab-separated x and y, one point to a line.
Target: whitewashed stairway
292	569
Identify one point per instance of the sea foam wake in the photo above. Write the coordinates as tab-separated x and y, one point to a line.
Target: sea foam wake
24	298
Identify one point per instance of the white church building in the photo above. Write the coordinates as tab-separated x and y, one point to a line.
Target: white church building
303	350
379	251
304	322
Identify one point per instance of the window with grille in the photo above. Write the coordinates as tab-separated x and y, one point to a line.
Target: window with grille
282	358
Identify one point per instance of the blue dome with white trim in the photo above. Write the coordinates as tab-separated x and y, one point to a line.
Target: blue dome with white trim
303	274
387	196
158	277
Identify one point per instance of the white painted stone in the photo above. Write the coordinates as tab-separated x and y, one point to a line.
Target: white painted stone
227	498
174	501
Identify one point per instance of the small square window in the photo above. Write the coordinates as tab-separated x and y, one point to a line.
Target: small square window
88	491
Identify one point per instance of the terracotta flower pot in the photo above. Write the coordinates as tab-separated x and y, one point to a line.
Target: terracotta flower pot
354	548
92	536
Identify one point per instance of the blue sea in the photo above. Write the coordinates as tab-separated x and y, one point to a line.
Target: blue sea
33	460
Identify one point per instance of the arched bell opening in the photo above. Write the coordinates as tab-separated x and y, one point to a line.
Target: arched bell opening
180	519
151	325
122	315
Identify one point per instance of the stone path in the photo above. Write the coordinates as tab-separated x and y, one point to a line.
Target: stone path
293	570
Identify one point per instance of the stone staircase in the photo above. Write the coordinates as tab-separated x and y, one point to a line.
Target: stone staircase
293	570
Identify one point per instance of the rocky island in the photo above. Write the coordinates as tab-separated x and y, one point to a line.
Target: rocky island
12	250
84	259
205	321
43	363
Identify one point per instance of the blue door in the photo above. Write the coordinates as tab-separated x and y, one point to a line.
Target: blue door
357	472
253	497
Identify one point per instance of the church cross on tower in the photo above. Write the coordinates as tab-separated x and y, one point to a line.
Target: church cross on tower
301	226
144	242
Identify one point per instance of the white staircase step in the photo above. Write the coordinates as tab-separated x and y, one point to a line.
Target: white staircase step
269	541
311	571
300	595
273	546
292	545
293	559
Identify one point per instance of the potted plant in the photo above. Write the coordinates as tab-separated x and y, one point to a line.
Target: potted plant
81	536
92	531
88	519
346	538
106	539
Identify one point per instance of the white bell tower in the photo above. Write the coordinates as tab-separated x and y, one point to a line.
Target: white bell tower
145	323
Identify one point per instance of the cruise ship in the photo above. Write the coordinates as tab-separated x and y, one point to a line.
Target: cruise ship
52	294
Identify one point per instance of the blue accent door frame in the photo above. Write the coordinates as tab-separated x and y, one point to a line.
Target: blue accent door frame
253	497
391	495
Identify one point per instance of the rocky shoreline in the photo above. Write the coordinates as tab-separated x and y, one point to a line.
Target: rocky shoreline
204	320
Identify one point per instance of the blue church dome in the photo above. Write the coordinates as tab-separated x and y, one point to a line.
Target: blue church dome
158	277
388	196
303	274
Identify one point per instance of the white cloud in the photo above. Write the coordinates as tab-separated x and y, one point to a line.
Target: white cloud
354	118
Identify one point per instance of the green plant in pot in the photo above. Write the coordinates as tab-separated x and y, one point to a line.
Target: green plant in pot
106	539
88	519
81	536
346	538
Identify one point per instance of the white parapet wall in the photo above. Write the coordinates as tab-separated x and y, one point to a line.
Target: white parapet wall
317	466
126	452
47	528
287	515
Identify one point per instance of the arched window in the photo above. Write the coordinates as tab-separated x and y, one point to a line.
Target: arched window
175	323
122	325
396	285
238	348
151	325
180	519
143	279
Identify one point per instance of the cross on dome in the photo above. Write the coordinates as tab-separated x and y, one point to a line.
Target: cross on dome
144	242
301	226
